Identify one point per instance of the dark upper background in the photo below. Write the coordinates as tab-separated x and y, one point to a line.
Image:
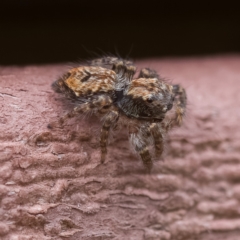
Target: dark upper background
44	31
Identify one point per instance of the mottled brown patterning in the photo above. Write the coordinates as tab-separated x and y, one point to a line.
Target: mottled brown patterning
147	104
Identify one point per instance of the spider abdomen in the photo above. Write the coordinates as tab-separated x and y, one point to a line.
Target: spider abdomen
87	81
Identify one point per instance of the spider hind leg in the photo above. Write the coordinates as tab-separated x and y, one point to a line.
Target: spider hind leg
99	103
124	69
148	73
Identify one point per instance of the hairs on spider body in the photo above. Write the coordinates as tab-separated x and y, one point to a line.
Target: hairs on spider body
106	86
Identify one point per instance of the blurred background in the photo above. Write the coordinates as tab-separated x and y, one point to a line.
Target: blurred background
41	31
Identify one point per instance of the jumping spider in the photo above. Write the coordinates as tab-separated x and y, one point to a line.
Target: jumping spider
106	87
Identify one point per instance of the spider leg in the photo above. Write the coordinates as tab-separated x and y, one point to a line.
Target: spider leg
157	138
109	121
124	69
108	62
148	73
104	61
139	142
181	102
99	102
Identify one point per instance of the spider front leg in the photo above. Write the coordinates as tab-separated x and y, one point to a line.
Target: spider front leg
157	138
180	93
139	140
99	102
109	121
181	102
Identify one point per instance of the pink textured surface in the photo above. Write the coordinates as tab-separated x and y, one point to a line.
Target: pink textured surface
52	185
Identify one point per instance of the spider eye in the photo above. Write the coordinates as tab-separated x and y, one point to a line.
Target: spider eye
149	100
106	107
170	105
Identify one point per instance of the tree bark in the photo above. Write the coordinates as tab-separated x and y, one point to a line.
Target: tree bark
53	186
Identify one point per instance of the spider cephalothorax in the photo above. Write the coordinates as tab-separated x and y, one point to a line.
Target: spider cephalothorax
147	100
106	87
